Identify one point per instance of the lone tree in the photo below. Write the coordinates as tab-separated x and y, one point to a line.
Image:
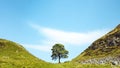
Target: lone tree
58	52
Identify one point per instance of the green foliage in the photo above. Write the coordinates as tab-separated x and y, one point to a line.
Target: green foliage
58	52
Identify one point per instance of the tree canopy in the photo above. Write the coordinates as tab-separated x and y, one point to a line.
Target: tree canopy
58	52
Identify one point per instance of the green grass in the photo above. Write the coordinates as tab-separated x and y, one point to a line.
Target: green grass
77	65
13	55
64	65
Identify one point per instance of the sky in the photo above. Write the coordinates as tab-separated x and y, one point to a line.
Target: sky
39	24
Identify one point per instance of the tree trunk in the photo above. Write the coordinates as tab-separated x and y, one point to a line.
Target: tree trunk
59	59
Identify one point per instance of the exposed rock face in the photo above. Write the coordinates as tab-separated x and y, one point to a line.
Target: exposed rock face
104	50
105	60
109	40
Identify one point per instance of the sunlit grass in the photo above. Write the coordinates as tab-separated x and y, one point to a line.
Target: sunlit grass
13	55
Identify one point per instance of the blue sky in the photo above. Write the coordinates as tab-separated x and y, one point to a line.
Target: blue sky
39	24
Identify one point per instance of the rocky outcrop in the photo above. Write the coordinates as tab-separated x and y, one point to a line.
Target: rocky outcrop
104	43
105	60
104	50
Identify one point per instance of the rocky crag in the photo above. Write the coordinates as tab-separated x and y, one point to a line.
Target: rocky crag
104	50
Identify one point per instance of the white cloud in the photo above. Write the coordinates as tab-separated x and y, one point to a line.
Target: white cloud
53	36
71	37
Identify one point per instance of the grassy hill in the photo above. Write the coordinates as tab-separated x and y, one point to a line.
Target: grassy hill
13	55
104	50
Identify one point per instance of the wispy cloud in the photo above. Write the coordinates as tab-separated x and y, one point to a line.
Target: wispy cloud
73	38
53	36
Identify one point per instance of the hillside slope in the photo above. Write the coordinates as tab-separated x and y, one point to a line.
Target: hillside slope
104	50
13	55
